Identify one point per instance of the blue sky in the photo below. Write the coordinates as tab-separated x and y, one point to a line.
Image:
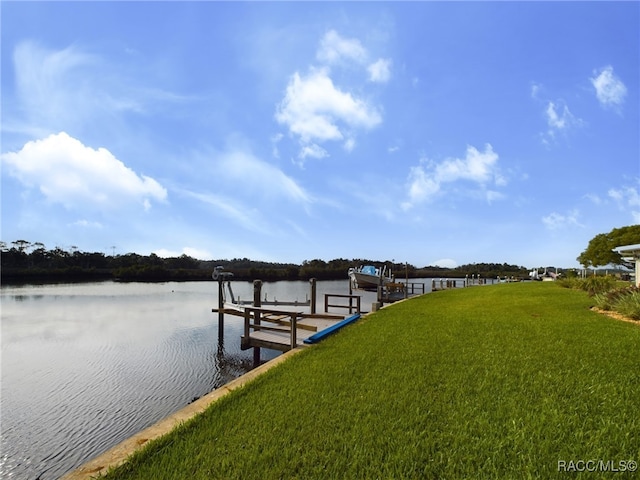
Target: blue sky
426	132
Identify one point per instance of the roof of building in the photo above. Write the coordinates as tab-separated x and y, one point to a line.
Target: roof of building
629	250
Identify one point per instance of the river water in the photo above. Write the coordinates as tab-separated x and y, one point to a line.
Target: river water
85	366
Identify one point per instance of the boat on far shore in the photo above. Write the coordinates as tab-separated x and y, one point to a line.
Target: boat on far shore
369	277
549	275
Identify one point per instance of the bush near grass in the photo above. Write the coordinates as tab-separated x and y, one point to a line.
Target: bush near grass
500	381
593	285
622	300
608	294
629	305
569	282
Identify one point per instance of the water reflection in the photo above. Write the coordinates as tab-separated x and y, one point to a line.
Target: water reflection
86	366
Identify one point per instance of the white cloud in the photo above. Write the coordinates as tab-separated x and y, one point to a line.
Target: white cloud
559	119
349	144
476	166
421	186
259	176
312	150
80	177
627	197
555	120
610	90
52	85
334	49
595	199
492	195
535	90
380	71
445	263
316	110
275	139
196	253
427	179
246	218
86	224
69	89
555	220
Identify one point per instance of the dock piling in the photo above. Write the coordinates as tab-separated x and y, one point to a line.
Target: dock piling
257	290
312	281
294	330
220	313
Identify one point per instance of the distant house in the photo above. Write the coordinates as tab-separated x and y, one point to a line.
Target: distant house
631	253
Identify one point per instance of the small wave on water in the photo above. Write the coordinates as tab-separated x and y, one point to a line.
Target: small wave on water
82	373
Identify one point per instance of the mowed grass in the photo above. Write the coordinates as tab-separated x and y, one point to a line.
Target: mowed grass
500	381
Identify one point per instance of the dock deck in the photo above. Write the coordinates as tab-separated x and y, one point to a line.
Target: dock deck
278	329
280	339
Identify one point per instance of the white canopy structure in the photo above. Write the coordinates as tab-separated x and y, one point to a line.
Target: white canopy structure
631	253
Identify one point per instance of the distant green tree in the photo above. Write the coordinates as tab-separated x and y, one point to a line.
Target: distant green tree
183	261
600	252
21	245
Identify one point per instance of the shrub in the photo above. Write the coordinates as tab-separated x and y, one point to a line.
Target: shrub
623	300
607	300
597	284
629	303
572	282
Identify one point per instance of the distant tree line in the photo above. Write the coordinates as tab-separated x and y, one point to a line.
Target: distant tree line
23	261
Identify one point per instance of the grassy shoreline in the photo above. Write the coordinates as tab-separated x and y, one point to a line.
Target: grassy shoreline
493	382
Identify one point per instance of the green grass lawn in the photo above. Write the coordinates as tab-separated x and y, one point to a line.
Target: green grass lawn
500	381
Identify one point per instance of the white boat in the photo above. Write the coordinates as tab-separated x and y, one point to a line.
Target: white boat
547	276
369	277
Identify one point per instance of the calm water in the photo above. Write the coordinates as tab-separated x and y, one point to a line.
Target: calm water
85	366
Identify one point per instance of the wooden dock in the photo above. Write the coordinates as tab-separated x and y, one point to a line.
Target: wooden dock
267	325
277	329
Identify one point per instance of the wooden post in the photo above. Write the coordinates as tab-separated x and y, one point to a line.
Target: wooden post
257	291
220	313
247	320
406	279
312	281
256	357
294	327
